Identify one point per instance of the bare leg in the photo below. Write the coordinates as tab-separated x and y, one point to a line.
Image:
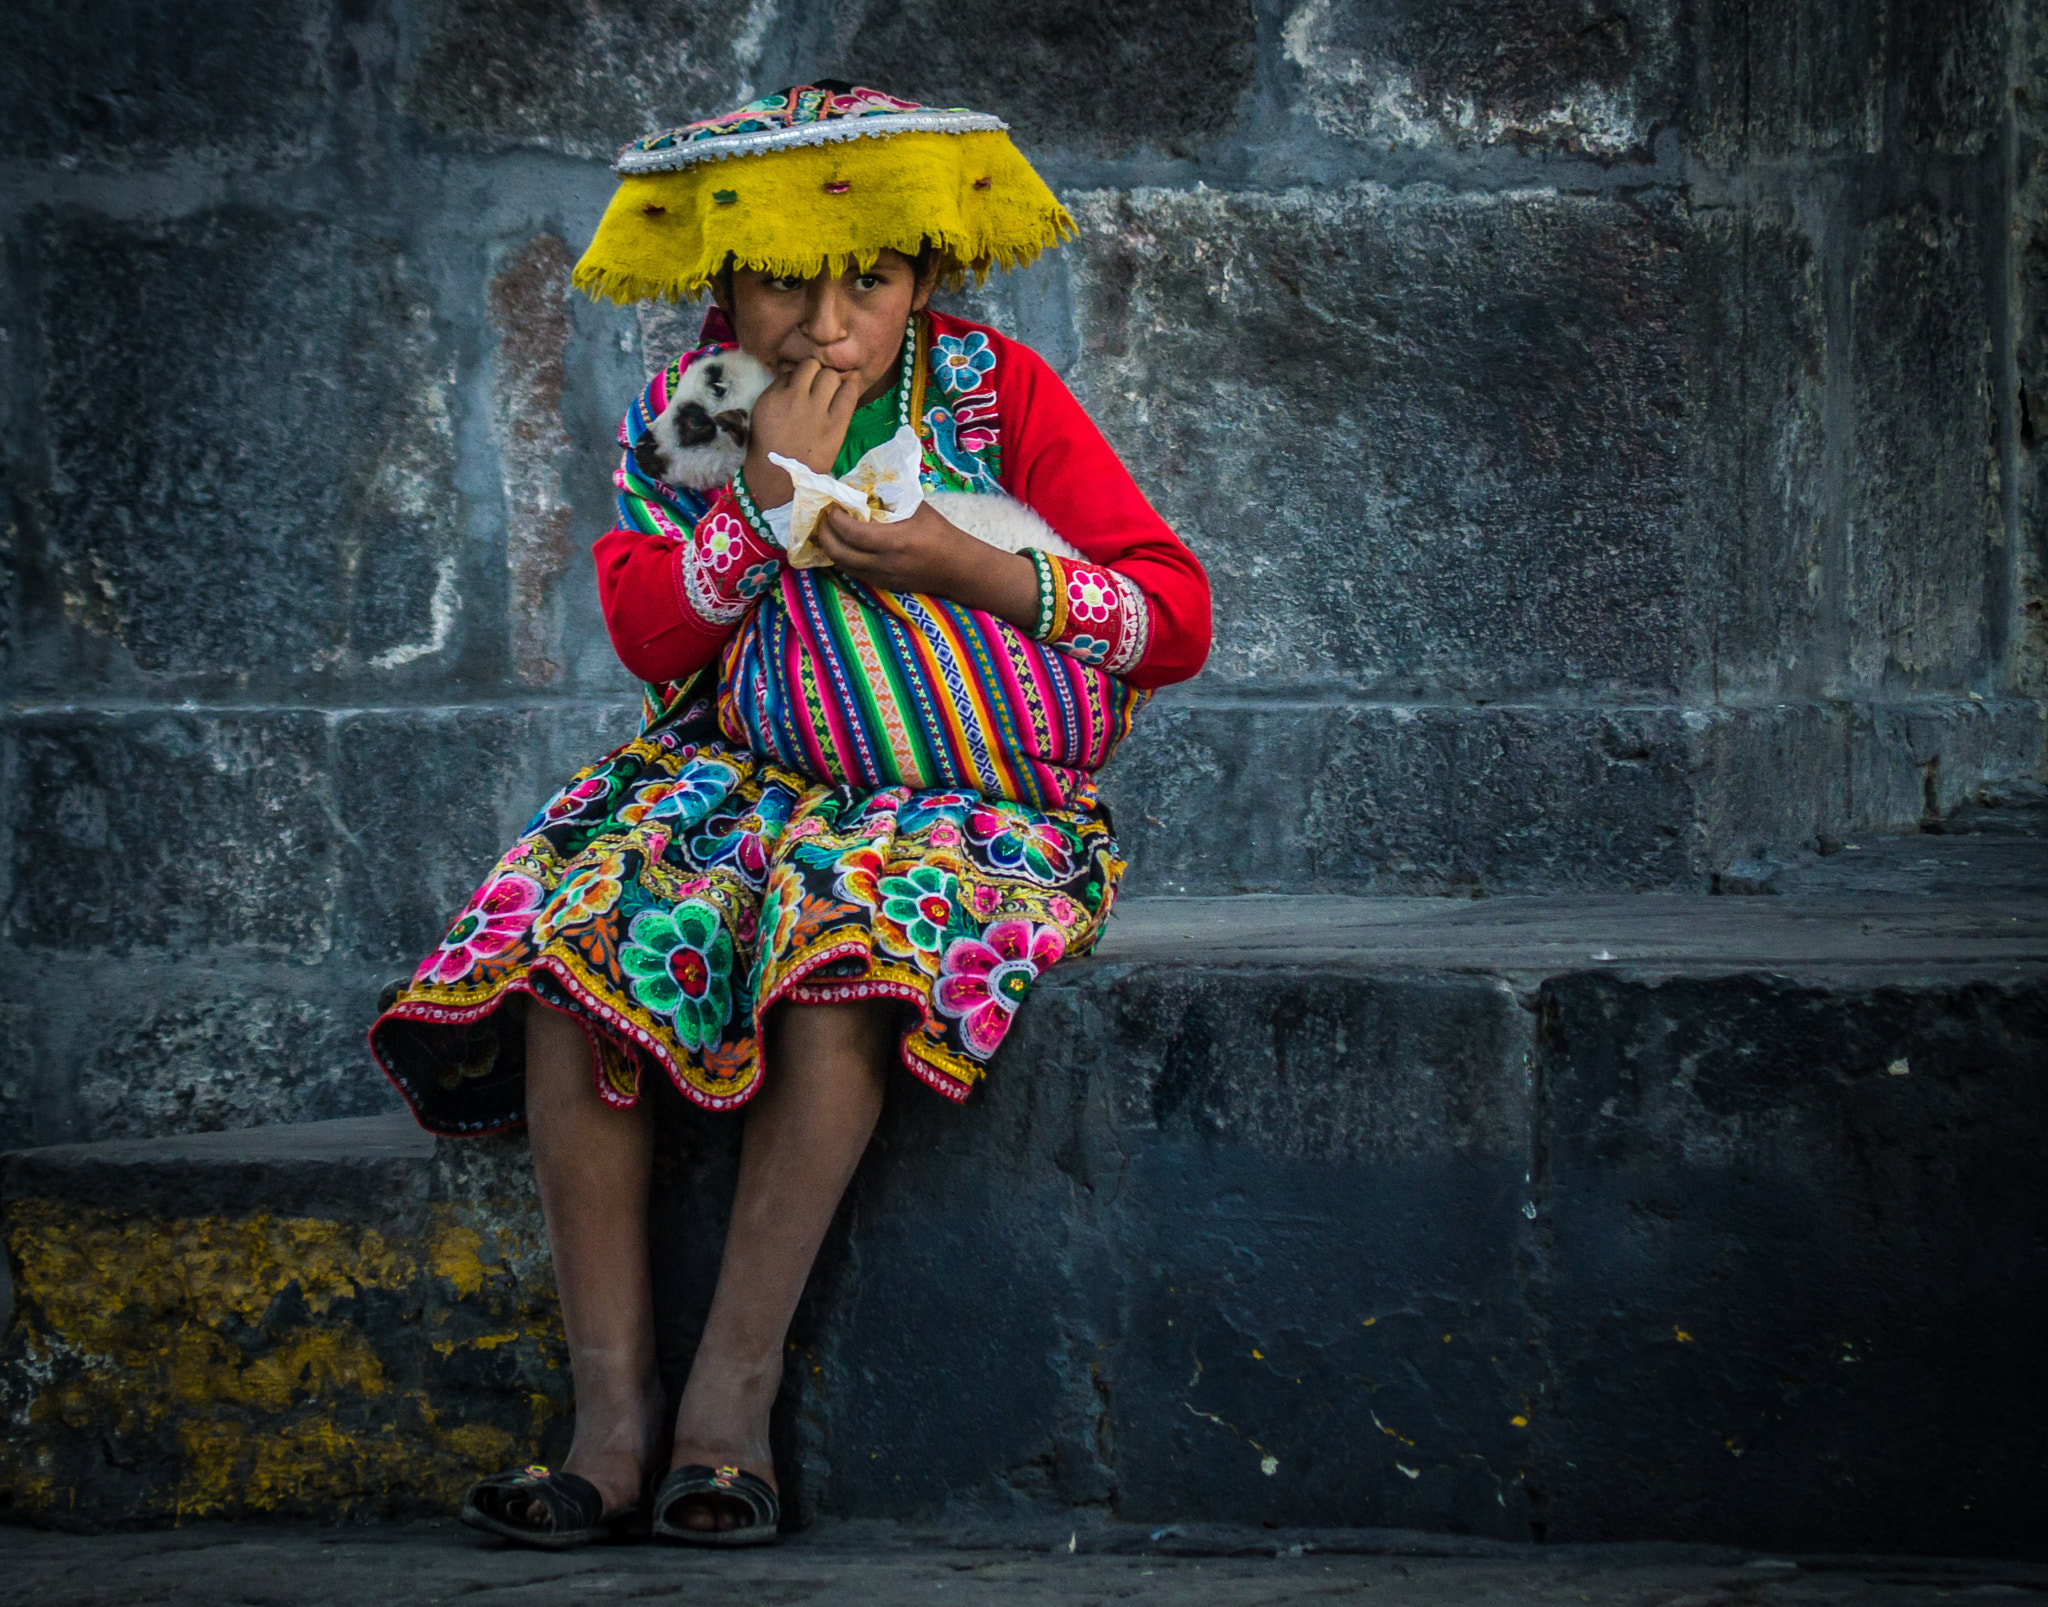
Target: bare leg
591	1163
805	1133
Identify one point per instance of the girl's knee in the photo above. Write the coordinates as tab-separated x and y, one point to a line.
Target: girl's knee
556	1045
858	1028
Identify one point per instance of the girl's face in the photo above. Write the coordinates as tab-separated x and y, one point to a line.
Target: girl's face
852	322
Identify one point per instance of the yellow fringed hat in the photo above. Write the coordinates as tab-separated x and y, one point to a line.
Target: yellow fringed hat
819	177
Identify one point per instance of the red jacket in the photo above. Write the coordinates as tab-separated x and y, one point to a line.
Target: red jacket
1139	606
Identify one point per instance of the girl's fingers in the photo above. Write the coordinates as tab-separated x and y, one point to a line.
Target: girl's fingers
827	383
858	535
841	552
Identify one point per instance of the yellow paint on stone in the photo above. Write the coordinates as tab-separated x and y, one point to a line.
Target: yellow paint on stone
90	1271
149	1322
448	1347
454	1252
314	1462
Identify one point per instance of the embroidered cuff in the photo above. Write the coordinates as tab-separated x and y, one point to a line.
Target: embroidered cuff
1094	613
1047	626
726	563
763	524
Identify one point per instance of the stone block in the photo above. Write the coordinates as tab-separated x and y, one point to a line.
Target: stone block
1791	1234
562	372
1825	76
144	80
1773	775
1924	526
1257	796
1940	754
1551	74
143	1049
1318	1215
288	508
1353	405
172	832
431	797
583	79
1288	1186
1760	478
21	1068
941	1359
276	1321
1168	79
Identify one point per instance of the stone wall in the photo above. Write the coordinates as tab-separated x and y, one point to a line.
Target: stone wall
1610	426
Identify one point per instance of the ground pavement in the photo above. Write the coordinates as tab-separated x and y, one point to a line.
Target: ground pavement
226	1565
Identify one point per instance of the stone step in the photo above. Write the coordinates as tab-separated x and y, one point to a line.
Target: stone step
1577	1219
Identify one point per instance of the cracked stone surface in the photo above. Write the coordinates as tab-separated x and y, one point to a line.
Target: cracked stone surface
869	1563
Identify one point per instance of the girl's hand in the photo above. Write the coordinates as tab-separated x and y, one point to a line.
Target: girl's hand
929	553
803	415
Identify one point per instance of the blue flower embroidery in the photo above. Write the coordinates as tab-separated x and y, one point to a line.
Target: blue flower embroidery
960	361
758	579
1088	649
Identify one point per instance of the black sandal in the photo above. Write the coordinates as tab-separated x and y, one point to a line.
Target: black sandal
575	1509
764	1511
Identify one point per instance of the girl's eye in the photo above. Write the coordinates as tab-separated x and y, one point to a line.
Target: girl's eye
785	282
869	281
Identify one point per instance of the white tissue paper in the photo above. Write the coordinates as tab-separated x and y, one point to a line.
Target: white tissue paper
880	489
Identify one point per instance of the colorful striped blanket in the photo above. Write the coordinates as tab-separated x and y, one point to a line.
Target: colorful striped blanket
874	689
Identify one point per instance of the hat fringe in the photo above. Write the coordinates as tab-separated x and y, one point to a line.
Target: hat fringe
825	208
963	260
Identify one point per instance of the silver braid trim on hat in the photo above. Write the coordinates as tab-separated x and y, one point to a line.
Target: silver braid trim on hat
633	159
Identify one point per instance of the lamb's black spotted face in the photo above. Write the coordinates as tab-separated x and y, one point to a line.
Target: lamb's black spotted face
694	426
700	435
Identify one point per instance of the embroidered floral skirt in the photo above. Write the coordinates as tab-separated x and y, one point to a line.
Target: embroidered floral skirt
675	890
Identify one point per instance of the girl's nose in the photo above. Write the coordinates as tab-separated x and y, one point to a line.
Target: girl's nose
825	311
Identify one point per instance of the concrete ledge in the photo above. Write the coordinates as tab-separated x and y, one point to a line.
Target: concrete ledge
1418	1214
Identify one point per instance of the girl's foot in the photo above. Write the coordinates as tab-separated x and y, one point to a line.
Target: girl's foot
707	1512
619	1478
614	1448
723	1422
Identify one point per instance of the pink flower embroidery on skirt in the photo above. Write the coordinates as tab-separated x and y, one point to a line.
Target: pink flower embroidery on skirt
496	918
983	980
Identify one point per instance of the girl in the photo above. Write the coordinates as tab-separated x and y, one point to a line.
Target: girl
860	814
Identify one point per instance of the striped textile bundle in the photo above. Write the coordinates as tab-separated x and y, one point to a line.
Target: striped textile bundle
882	689
657	508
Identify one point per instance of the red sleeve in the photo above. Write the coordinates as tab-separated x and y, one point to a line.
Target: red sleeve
1141	604
669	604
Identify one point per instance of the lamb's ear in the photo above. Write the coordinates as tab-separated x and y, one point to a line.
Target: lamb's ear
735	423
647	453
